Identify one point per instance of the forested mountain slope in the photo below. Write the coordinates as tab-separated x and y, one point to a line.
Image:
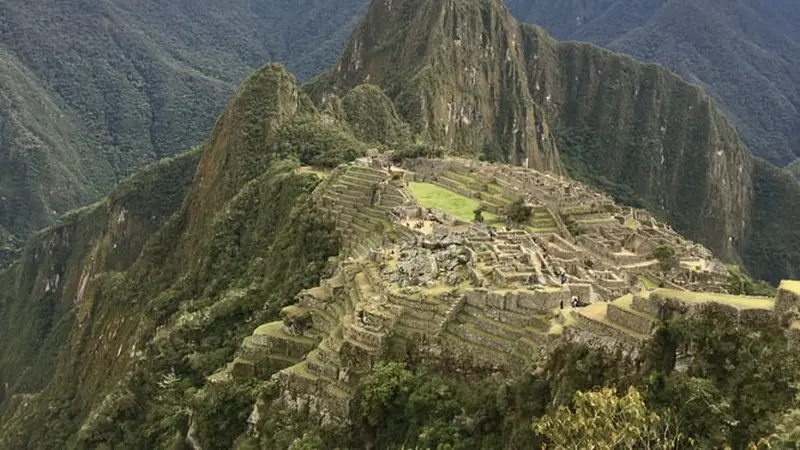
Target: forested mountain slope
134	322
745	53
91	90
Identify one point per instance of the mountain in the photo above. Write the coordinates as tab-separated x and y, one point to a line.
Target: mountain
307	278
90	91
635	130
744	53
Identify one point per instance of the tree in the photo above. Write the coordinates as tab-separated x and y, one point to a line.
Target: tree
602	420
518	212
479	213
666	257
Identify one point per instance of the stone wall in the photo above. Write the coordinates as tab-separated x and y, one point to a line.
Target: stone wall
787	303
636	322
661	303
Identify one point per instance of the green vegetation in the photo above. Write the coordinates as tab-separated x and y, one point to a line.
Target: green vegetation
84	105
602	419
772	240
741	53
115	317
518	212
373	118
438	198
737	390
666	257
416	150
203	277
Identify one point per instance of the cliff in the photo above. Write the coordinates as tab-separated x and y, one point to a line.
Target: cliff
633	129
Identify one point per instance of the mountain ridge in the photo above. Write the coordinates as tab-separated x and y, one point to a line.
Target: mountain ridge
742	53
261	252
128	83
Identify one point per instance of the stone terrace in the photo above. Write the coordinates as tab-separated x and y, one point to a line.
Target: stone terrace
361	199
490	296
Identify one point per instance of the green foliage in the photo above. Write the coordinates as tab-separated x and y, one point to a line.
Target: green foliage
84	105
771	248
315	141
479	213
230	400
416	150
373	118
418	409
604	421
740	283
666	257
577	150
737	376
518	212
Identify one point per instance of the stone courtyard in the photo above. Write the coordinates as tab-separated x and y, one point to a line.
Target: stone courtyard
492	296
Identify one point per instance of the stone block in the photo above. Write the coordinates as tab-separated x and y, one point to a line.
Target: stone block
582	291
476	297
366	337
243	369
629	319
647	305
495	300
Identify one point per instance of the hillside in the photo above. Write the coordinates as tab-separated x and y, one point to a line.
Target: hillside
89	91
333	275
743	53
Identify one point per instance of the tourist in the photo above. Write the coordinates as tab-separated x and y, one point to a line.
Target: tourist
563	278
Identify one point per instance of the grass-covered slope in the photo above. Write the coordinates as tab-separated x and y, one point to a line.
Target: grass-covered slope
771	247
45	292
743	53
89	91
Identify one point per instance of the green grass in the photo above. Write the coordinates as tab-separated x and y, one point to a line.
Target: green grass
649	283
739	302
438	198
275	329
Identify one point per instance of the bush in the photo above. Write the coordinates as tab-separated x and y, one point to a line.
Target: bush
666	257
518	212
417	150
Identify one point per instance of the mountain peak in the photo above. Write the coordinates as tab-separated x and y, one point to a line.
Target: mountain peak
455	71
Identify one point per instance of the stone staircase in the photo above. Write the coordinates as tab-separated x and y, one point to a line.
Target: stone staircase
360	199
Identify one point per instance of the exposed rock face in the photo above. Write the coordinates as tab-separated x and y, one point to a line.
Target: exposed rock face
467	76
657	134
455	71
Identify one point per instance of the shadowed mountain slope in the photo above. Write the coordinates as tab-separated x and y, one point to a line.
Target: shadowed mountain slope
746	54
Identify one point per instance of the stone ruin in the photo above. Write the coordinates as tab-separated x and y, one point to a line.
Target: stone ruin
490	297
